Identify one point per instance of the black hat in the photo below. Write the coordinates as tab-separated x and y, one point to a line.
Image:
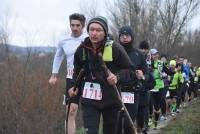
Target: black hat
144	45
100	20
126	30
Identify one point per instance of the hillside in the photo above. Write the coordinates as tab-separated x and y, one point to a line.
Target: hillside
21	51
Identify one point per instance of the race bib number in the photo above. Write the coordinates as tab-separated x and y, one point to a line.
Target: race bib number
127	97
92	91
70	72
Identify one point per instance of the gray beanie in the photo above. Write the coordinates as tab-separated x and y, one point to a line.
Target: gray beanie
100	20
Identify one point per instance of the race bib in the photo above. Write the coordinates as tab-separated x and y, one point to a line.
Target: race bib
127	97
70	72
92	91
167	94
195	79
154	90
148	59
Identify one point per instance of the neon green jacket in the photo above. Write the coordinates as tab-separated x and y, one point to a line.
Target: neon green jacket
197	77
158	65
198	72
178	78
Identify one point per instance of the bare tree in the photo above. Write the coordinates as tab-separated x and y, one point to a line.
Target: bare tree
4	32
89	8
124	12
174	15
149	22
159	22
27	105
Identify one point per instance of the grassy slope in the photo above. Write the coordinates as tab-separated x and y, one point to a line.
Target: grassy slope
188	122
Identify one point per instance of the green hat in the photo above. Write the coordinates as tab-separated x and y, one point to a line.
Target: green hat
172	62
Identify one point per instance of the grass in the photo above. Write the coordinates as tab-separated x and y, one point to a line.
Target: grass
188	122
80	131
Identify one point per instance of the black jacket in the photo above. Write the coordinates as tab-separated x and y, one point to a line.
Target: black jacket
94	71
144	95
138	59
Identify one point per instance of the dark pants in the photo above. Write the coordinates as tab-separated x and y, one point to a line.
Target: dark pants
156	99
74	99
192	88
143	111
123	123
151	105
184	89
143	116
91	118
179	95
163	104
133	108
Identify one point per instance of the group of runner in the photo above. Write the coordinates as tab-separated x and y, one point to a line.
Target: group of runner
98	69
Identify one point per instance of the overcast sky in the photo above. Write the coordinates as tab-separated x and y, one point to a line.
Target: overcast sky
42	22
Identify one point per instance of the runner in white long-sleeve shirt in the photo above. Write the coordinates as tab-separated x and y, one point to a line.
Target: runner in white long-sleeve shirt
67	47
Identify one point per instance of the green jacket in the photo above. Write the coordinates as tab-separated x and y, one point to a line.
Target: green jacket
197	76
157	66
176	79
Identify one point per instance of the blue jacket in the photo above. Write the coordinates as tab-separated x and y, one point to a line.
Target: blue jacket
186	71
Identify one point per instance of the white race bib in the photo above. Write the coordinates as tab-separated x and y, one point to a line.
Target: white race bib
127	97
167	94
196	79
92	91
154	90
70	72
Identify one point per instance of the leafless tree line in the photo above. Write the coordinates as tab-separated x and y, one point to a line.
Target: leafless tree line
163	23
27	103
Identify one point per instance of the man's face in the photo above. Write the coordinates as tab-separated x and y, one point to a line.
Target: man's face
163	59
180	60
190	64
155	56
125	38
96	33
76	28
144	51
185	61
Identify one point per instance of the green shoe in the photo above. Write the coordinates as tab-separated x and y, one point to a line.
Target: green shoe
150	122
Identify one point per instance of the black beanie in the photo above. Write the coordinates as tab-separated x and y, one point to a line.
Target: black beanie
144	45
126	30
100	20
